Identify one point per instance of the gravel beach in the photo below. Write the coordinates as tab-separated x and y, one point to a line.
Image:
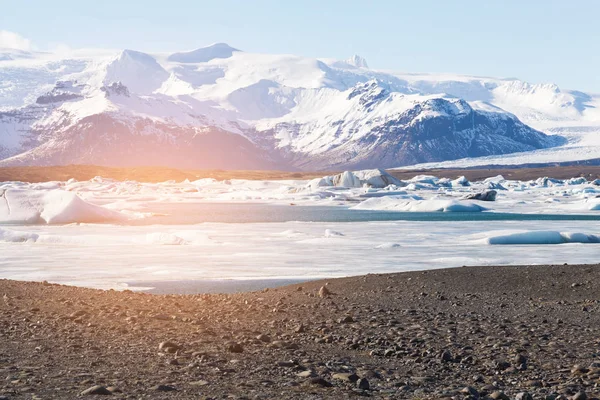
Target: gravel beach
515	332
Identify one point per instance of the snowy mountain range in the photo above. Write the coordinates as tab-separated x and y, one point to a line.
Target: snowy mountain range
220	107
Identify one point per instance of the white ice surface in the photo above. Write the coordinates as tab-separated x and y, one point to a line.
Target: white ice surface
106	256
73	201
34	246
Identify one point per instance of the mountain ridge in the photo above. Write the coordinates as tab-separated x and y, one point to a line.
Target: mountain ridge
290	112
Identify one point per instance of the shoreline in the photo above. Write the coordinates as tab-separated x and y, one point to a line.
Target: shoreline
157	174
444	333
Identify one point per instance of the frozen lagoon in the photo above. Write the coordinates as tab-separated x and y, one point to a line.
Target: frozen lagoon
109	256
244	230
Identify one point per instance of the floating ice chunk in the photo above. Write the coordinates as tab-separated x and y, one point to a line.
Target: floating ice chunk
291	233
494	179
542	237
461	182
576	181
427	179
18	206
7	235
329	233
165	238
387	246
375	178
434	205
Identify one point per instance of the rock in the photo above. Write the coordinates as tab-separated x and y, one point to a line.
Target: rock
324	292
579	370
300	329
163	388
286	364
580	396
96	390
347	377
470	391
169	347
235	348
363	384
346	320
264	338
446	356
520	359
499	396
305	374
318	381
199	383
523	396
488	195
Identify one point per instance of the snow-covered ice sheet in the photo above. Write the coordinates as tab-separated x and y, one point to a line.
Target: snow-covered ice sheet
109	256
105	200
45	232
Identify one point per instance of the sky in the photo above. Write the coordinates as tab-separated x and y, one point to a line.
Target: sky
540	41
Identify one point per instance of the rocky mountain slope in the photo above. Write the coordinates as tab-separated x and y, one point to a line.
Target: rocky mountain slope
219	107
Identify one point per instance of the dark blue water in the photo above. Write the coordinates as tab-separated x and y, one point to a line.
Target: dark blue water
181	214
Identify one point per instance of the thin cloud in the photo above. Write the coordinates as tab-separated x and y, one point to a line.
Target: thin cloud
13	40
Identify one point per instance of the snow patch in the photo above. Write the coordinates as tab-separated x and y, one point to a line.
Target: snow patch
22	206
541	237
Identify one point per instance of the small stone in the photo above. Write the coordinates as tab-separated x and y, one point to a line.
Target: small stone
235	348
264	338
363	384
389	353
305	374
318	381
580	396
324	292
470	391
579	369
520	359
163	388
499	396
523	396
97	390
446	356
169	347
346	320
199	383
286	364
344	376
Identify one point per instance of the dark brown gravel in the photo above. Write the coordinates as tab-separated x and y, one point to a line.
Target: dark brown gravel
464	333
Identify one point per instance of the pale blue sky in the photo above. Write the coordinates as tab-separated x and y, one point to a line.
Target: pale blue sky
535	40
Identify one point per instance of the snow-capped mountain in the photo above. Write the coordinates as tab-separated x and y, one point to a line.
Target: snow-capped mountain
220	107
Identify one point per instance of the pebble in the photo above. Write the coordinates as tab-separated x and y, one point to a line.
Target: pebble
96	390
235	348
169	347
523	396
264	338
363	384
324	292
163	388
343	376
318	381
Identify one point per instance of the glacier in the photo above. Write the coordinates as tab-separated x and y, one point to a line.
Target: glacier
221	107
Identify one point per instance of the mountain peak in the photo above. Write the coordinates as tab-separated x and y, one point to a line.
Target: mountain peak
204	54
357	61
